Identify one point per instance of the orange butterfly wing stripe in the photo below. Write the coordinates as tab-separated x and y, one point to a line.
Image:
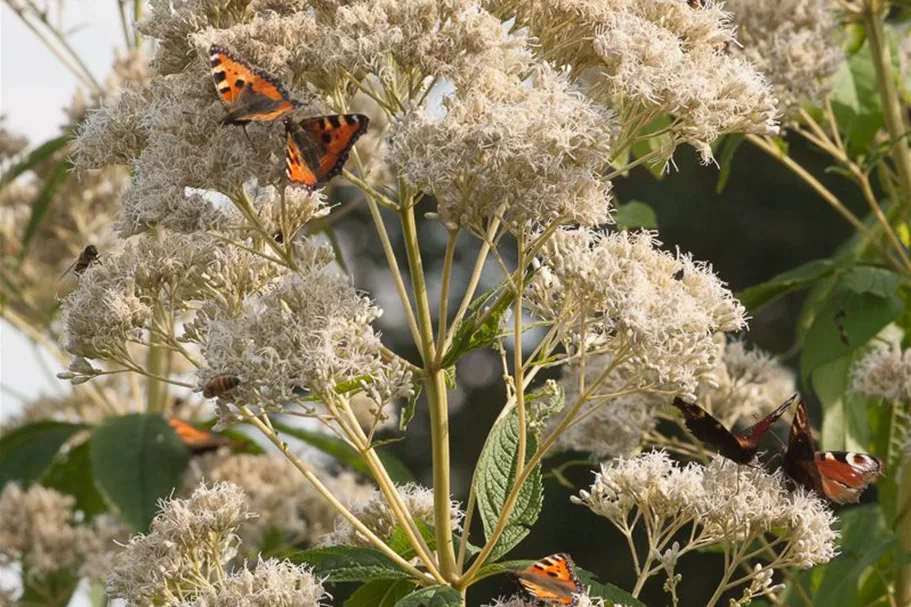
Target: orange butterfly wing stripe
233	75
330	138
553	578
297	170
198	441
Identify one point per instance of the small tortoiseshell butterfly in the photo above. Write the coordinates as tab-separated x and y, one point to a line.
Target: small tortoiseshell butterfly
839	476
552	580
740	447
318	147
247	93
198	441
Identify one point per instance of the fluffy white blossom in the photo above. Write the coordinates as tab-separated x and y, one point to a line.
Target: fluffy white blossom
374	511
884	373
36	529
623	290
728	503
519	601
269	583
99	543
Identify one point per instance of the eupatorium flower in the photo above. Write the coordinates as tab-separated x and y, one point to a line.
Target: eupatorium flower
727	503
269	583
375	513
884	373
519	601
36	529
624	292
745	383
521	142
655	56
795	43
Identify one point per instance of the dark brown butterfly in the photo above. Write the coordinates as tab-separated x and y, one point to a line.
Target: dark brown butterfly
198	441
220	384
248	93
740	447
839	476
552	580
318	147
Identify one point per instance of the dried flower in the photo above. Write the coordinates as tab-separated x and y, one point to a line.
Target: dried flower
375	513
884	373
612	425
621	289
99	543
36	529
745	383
270	583
795	43
519	601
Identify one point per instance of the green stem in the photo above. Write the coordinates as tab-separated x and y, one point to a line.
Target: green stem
436	397
518	365
903	531
892	110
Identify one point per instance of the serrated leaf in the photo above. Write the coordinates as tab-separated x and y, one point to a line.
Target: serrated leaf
852	314
410	407
469	335
26	452
71	474
609	592
801	277
635	214
137	460
495	478
726	159
340	450
844	423
398	541
350	564
856	101
380	593
432	596
35	157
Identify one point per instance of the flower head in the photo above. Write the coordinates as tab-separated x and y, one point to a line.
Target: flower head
269	583
884	373
36	529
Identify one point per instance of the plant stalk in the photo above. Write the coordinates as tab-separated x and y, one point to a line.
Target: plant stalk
903	531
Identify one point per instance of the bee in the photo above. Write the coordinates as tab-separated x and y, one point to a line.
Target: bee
88	256
220	384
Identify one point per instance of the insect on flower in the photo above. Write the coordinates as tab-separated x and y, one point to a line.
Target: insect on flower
88	256
220	384
318	147
248	93
553	580
839	476
740	447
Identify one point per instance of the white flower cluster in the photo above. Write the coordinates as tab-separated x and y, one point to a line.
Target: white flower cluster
795	43
374	511
36	529
624	291
661	56
885	373
518	601
182	559
744	383
726	502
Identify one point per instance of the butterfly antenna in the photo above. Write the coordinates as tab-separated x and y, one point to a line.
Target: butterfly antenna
252	145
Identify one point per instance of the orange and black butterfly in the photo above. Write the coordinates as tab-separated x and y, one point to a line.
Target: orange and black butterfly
198	441
553	580
318	147
740	447
839	476
248	93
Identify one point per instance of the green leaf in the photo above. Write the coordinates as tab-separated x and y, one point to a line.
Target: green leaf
635	214
411	406
865	540
726	159
470	335
380	593
350	564
42	202
491	569
651	144
137	460
340	450
26	452
857	309
398	541
34	158
495	478
54	589
432	596
71	473
856	101
801	277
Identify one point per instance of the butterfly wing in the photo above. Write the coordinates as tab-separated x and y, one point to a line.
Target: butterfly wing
800	455
753	434
197	441
247	93
709	430
845	476
318	147
552	579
